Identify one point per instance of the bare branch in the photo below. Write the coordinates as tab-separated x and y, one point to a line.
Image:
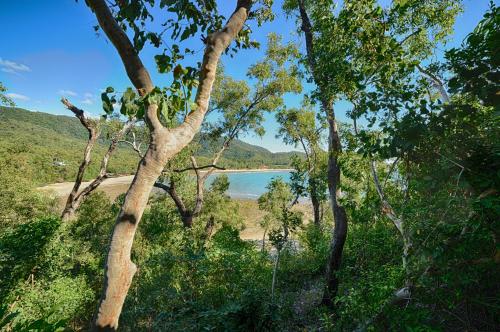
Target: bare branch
136	147
438	84
198	168
80	114
162	185
94	133
103	172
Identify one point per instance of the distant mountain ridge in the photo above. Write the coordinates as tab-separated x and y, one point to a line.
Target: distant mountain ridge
43	138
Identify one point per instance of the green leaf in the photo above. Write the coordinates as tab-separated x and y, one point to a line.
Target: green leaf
163	63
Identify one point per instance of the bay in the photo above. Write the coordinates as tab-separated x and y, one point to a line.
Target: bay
249	185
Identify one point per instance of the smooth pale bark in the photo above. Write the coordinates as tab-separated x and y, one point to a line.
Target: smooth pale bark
389	212
334	149
164	144
188	216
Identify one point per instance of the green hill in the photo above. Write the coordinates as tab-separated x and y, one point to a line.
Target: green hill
30	142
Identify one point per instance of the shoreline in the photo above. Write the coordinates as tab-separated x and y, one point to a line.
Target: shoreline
250	170
64	188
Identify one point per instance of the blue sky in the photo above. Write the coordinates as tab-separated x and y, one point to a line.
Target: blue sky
49	49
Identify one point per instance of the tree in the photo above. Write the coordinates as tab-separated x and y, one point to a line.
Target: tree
366	35
166	139
299	127
334	146
240	110
281	220
475	66
94	128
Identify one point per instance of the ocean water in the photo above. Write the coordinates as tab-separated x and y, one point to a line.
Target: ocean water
249	185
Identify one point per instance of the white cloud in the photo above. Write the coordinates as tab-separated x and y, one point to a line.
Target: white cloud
68	93
17	96
89	98
13	67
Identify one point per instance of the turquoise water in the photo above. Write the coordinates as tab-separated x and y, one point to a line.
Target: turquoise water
250	185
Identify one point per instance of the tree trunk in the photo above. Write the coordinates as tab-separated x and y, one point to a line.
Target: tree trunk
275	271
119	268
164	144
334	148
187	220
339	214
316	208
264	240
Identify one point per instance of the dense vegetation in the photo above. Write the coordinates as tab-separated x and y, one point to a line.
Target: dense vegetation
36	141
419	166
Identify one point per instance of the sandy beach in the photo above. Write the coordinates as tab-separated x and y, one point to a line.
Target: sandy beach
115	186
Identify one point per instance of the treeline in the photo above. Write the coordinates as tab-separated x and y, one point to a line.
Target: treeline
44	146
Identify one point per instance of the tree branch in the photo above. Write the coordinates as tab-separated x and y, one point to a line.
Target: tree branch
93	131
307	29
103	172
170	189
136	147
80	114
198	168
136	71
438	84
216	44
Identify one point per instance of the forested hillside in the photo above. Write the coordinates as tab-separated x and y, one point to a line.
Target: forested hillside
38	142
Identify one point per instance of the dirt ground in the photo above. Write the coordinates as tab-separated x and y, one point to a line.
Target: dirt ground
113	187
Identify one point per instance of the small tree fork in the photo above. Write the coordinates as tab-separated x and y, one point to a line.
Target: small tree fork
187	215
164	144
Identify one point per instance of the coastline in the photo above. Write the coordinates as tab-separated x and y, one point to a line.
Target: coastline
119	181
250	170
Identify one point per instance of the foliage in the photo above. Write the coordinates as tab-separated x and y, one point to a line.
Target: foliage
437	163
281	220
31	143
183	21
300	127
239	108
4	99
475	66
